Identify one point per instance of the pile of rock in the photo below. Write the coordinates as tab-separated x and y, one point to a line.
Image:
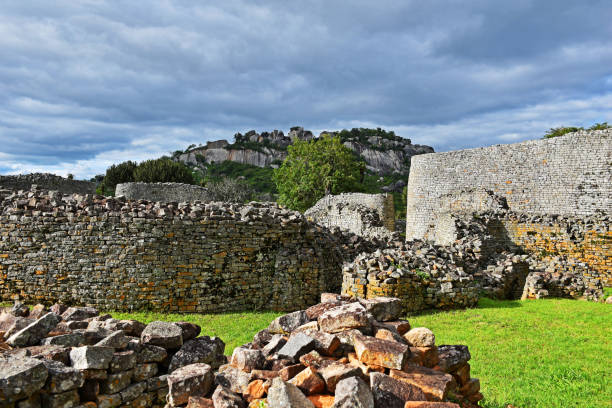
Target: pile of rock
343	353
69	357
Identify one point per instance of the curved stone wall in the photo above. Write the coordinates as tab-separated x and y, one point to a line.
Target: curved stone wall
116	254
567	175
47	181
164	192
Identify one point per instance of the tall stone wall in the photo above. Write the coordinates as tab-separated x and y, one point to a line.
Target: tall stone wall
560	185
47	181
164	192
568	175
115	254
361	214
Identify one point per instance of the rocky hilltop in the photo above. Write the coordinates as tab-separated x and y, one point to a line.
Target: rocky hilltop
384	152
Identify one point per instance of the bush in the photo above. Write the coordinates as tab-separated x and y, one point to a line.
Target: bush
315	168
560	131
163	171
117	174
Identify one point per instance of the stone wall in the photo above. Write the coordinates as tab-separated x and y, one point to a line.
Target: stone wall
361	214
553	197
47	181
133	255
164	192
568	175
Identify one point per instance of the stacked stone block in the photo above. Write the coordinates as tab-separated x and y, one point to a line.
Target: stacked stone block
46	181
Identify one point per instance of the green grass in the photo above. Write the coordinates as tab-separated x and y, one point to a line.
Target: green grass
607	292
544	353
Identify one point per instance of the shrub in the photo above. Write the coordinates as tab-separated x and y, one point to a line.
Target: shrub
162	171
118	173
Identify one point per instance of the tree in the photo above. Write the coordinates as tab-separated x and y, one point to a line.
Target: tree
230	190
118	173
315	168
162	171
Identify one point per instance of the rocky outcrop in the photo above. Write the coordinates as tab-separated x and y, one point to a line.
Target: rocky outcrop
383	155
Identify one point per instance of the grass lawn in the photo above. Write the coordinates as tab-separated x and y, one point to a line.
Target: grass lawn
544	353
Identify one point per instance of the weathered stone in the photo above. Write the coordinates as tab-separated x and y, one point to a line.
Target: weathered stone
383	308
91	357
347	337
452	357
50	352
261	338
131	327
63	400
19	310
420	337
334	373
264	374
426	356
308	381
144	371
123	361
255	390
33	401
226	398
383	353
325	343
401	326
116	340
434	384
274	344
10	324
470	387
386	334
79	313
66	340
76	324
350	316
194	379
462	374
163	334
21	377
94	335
133	391
116	382
276	364
155	383
208	350
95	374
307	327
62	378
291	371
108	401
284	395
58	308
287	323
150	354
37	311
297	346
321	400
247	359
353	392
200	402
190	330
34	332
313	312
391	393
233	378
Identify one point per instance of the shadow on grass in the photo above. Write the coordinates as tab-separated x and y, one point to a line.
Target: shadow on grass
483	303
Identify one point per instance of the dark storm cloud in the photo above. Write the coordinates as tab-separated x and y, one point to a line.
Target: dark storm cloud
84	84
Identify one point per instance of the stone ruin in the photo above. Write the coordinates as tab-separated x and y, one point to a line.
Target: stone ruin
339	353
162	192
45	181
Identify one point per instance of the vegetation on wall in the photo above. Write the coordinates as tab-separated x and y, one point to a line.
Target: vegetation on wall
315	168
560	131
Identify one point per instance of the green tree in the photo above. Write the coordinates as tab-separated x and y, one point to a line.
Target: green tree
162	171
314	168
116	174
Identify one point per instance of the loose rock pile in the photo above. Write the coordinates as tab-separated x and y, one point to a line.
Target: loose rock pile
69	357
339	353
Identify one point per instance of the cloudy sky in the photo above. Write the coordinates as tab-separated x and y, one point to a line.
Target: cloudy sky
88	83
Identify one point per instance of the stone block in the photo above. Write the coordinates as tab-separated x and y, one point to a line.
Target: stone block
391	393
208	350
382	353
90	357
353	392
287	323
62	378
420	337
247	359
34	332
383	308
341	318
20	378
435	384
194	379
283	395
162	334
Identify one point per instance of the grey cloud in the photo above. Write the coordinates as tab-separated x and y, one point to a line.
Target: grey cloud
80	79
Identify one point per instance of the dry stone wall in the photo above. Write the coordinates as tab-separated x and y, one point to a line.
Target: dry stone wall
358	213
568	175
552	197
48	182
164	192
116	254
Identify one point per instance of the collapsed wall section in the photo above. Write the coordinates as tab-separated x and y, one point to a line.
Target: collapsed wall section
164	192
115	254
